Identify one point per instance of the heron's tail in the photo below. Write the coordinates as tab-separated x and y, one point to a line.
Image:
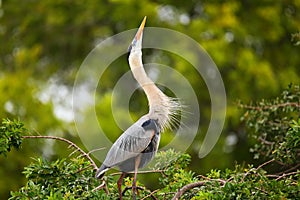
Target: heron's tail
101	171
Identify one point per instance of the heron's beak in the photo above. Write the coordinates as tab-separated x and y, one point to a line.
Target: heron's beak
139	34
137	41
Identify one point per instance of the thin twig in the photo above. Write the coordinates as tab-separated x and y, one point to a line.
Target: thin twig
261	190
293	104
68	142
265	163
288	174
94	150
73	152
151	195
280	163
103	185
260	166
83	169
264	141
272	176
141	188
291	169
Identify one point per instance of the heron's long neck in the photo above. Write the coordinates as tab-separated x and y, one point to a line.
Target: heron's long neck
158	101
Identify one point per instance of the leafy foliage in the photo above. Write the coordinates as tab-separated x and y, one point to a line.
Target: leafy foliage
11	135
73	178
60	179
248	183
274	125
289	148
174	172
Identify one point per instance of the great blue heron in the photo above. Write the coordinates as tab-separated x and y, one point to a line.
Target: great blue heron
139	143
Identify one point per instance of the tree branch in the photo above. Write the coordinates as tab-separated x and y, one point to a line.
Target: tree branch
265	163
102	185
190	186
151	195
293	104
260	166
291	169
264	141
288	174
86	155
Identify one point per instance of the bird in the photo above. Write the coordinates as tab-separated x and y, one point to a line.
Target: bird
137	145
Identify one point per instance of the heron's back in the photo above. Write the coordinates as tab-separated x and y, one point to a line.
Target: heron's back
146	156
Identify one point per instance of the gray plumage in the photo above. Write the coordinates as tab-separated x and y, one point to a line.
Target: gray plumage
140	139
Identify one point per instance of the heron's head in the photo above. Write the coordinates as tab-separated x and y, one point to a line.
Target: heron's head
136	44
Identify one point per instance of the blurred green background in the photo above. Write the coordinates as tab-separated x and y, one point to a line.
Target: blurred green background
43	43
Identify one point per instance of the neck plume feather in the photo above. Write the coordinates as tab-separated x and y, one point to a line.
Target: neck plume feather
161	107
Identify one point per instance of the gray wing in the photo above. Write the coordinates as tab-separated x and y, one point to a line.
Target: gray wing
132	142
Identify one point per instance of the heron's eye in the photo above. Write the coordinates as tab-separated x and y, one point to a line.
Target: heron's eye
146	123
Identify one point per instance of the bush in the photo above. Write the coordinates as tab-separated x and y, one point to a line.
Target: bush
11	135
274	126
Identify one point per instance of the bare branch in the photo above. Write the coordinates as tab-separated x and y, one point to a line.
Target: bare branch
190	186
261	190
71	144
151	195
288	174
291	169
260	166
94	150
293	104
264	141
265	163
83	169
141	188
102	185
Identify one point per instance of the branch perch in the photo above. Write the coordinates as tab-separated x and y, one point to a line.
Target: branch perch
190	186
86	155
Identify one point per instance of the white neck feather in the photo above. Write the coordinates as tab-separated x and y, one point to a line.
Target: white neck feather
161	107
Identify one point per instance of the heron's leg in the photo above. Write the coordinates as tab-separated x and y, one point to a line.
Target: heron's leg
136	166
120	181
